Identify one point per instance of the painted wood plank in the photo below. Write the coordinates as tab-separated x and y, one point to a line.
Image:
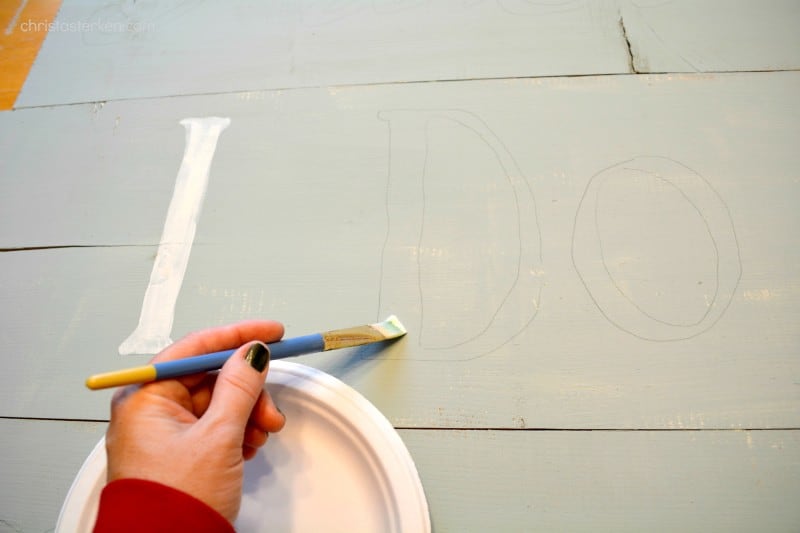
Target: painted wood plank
115	50
550	481
320	229
78	176
712	36
39	460
120	160
78	324
67	311
601	481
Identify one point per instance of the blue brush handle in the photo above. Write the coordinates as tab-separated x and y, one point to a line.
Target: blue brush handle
214	361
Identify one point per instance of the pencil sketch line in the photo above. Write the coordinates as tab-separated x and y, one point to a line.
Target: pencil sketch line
723	238
517	266
528	7
624	294
337	11
400	198
425	161
510	290
388	220
714	244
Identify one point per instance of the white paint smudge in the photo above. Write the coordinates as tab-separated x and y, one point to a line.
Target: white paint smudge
758	294
158	308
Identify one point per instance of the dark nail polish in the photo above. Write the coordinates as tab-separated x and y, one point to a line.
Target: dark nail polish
258	356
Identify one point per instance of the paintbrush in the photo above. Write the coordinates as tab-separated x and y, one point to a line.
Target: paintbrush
390	328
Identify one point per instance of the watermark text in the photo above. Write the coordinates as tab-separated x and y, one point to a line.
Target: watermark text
87	27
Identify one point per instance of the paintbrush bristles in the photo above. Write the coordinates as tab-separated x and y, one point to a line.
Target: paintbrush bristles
391	327
345	338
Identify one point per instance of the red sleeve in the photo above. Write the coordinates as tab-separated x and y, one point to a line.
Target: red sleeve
136	505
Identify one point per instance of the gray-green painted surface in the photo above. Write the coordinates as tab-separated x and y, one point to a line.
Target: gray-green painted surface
39	459
505	480
195	47
134	50
639	275
597	252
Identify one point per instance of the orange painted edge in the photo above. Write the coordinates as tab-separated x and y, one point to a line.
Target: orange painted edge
23	27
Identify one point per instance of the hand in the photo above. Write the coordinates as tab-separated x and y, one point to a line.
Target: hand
194	433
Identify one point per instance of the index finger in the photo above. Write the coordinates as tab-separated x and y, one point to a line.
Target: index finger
221	338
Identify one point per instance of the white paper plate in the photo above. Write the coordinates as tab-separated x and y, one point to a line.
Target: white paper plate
338	465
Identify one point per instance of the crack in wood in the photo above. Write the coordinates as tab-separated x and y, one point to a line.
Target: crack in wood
631	59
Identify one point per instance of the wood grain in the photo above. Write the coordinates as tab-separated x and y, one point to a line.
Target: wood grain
142	50
609	481
299	237
512	480
711	36
39	460
179	48
598	264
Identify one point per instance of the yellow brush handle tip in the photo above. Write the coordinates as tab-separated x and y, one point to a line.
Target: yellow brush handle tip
129	376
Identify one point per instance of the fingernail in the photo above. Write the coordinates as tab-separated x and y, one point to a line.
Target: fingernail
258	356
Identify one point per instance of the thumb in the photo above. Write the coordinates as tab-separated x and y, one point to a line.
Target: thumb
239	385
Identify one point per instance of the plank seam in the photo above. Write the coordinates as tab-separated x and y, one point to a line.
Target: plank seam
605	430
66	246
505	429
412	82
